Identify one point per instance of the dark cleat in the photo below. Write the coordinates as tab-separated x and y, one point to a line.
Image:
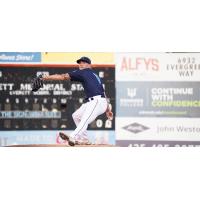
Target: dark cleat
66	137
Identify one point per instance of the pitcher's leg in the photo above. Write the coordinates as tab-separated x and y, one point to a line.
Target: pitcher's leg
93	109
77	115
90	114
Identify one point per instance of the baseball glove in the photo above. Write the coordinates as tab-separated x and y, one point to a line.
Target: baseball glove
37	83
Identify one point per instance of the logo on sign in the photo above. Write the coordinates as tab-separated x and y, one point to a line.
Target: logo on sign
135	128
139	64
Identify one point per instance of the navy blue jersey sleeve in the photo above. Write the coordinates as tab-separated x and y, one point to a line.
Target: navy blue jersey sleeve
75	76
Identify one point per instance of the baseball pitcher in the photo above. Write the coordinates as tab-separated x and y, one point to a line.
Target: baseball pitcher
95	102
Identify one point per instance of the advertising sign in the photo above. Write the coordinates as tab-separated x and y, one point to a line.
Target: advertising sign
20	57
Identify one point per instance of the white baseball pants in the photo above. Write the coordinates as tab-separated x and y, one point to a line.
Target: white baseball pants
86	114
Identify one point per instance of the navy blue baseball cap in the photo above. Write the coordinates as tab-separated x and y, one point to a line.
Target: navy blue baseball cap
84	59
